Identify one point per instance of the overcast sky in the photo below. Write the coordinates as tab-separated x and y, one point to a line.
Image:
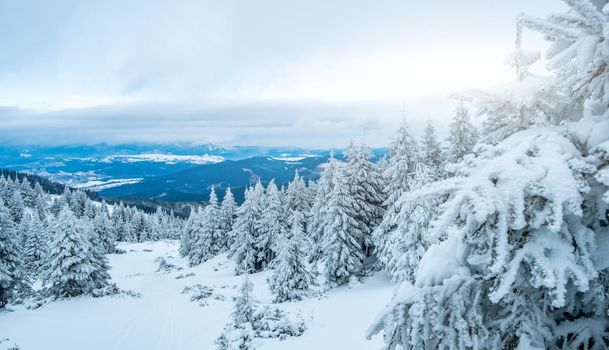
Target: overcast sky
309	73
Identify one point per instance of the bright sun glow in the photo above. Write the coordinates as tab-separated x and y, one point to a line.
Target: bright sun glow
387	76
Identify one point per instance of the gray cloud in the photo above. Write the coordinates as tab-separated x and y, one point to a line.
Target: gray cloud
310	124
148	69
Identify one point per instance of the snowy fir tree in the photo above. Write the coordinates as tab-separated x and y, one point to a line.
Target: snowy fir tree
463	135
291	278
73	267
16	207
12	275
404	227
244	249
342	242
320	205
296	195
206	241
238	333
27	192
190	229
431	154
98	246
403	157
35	245
271	226
103	232
366	193
228	215
78	203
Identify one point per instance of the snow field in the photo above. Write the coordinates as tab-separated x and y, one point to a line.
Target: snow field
164	318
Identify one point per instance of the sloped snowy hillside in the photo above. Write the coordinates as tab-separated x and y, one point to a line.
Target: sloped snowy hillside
164	317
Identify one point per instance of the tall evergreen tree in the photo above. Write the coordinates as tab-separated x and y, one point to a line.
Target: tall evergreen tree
189	231
343	253
463	135
432	153
404	227
291	278
403	157
103	232
16	207
295	194
320	206
206	241
228	215
366	191
12	276
245	231
72	267
78	203
36	245
271	226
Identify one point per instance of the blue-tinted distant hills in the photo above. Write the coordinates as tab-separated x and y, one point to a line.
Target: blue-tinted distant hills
166	172
194	184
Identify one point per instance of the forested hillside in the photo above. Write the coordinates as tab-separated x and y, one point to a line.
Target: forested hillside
498	241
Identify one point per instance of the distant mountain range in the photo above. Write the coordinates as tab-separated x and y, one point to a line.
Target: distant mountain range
194	183
166	172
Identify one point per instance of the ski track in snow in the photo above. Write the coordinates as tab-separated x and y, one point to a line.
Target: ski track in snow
165	319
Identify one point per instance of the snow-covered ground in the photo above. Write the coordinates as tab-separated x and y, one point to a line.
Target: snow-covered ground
165	318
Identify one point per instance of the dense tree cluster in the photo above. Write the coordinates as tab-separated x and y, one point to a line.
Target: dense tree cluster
515	255
63	239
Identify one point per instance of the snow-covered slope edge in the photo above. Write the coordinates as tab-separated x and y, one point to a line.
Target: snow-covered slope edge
165	318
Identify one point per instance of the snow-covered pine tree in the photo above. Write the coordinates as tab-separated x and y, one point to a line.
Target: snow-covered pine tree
431	154
27	192
103	232
142	229
291	278
187	233
320	205
12	275
228	215
159	224
118	221
78	203
342	250
41	204
90	210
100	277
15	205
36	245
71	267
366	192
295	194
463	135
243	249
238	333
206	241
405	226
403	158
271	226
